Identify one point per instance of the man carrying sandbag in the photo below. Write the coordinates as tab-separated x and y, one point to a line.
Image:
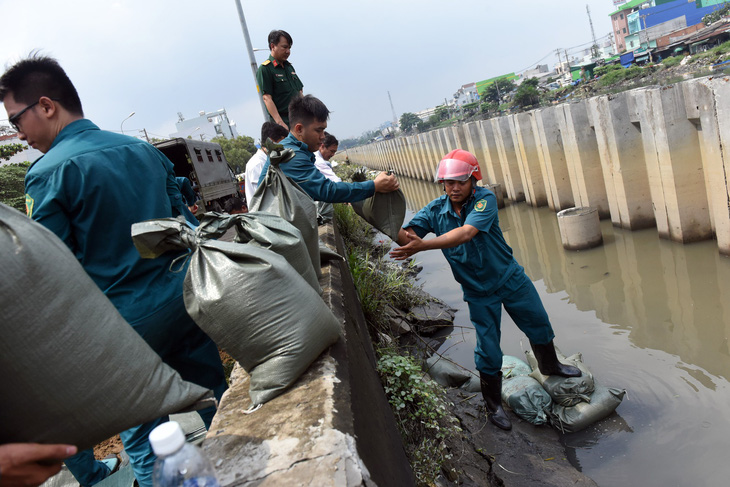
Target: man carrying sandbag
88	188
307	121
467	231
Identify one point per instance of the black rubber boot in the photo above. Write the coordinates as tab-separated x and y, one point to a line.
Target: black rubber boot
548	361
492	393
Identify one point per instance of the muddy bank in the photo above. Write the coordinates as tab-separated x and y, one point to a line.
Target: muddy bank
484	455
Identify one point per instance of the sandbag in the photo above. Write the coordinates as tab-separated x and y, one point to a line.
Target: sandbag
513	367
279	195
254	305
73	370
566	391
526	397
445	372
473	383
384	211
267	231
603	402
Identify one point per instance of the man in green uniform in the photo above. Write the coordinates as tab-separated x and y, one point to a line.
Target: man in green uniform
88	188
277	79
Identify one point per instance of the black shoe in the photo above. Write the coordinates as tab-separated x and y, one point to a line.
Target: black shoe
548	363
492	393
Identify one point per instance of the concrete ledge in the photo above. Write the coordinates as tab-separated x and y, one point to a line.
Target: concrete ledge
332	427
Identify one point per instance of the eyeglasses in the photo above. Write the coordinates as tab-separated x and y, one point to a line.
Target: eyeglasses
16	118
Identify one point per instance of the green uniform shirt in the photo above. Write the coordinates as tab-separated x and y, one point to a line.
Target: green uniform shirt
281	82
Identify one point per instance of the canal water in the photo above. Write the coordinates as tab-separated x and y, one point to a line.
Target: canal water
649	316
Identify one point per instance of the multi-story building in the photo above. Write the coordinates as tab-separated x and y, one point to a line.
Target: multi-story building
206	126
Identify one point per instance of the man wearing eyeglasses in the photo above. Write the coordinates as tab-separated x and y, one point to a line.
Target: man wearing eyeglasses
89	187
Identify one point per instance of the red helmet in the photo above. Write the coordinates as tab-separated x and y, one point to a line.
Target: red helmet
458	165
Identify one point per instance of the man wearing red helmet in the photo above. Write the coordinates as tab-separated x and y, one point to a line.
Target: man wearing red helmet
466	226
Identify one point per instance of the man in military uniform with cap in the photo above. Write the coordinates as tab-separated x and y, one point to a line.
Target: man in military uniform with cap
277	79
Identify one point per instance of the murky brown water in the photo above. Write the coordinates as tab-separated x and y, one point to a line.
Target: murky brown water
649	315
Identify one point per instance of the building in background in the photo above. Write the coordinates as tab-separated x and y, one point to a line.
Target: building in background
648	24
206	126
466	94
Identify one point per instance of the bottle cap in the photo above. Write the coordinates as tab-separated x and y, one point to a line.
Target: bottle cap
167	438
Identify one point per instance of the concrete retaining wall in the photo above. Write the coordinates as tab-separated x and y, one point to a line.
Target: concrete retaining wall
656	156
334	426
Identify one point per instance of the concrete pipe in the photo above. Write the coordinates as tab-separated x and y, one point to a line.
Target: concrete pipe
580	228
497	190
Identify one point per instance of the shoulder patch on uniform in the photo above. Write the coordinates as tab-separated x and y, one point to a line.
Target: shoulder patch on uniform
268	61
480	205
29	202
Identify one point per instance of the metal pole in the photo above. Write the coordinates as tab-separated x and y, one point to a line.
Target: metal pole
121	125
254	66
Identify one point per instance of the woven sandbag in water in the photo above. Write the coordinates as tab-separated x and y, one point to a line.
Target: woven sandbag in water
255	306
566	391
74	371
527	398
264	230
279	195
603	402
384	211
445	372
250	301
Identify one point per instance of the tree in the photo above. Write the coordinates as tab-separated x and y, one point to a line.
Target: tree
527	94
495	91
442	112
408	120
12	185
8	150
237	151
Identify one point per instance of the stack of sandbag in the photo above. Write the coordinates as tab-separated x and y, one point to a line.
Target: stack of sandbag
247	297
384	211
279	195
577	401
522	393
73	370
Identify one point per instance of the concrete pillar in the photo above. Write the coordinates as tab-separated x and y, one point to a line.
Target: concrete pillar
552	158
620	147
674	165
407	155
490	155
422	155
508	158
460	135
441	143
580	228
529	163
435	151
582	158
711	99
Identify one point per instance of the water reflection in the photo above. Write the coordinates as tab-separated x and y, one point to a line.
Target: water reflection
649	315
667	296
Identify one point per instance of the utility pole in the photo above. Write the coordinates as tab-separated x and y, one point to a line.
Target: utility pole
254	66
145	134
395	117
557	51
594	47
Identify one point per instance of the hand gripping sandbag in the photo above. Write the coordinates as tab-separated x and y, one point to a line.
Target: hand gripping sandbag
603	402
566	391
384	211
74	371
252	303
281	196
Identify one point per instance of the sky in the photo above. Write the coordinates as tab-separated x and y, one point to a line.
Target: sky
160	57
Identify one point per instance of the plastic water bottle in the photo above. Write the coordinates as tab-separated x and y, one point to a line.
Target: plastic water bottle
179	464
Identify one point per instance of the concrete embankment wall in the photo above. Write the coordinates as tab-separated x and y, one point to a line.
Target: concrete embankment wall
650	157
334	426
